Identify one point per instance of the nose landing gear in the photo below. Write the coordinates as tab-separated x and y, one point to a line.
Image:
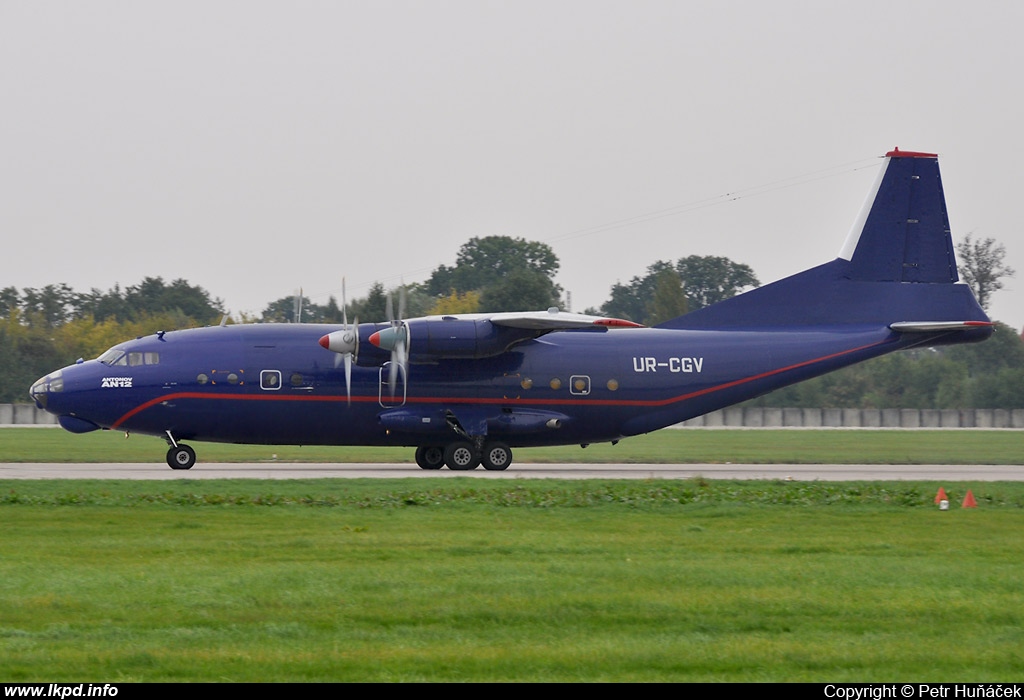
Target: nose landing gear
179	456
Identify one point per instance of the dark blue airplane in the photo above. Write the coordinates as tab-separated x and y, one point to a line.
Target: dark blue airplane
466	389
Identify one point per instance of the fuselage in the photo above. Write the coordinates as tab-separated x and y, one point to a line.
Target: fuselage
273	384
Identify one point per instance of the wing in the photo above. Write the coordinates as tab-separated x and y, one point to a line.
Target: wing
466	336
555	320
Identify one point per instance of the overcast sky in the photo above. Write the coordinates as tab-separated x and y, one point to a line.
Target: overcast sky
255	147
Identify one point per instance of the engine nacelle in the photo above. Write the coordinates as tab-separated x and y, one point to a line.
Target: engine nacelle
445	337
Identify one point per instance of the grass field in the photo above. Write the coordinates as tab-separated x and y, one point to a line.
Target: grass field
429	580
435	580
685	446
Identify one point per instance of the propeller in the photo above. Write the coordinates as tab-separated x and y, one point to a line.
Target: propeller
345	342
396	339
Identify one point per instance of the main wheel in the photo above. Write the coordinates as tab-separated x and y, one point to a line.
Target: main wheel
181	457
430	456
461	456
497	456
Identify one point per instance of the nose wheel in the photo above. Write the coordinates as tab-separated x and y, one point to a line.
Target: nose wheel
181	457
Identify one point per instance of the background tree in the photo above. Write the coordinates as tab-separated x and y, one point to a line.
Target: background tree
709	279
283	310
373	307
101	305
26	354
520	290
629	301
495	267
10	301
455	303
152	296
705	280
982	266
331	312
669	299
52	305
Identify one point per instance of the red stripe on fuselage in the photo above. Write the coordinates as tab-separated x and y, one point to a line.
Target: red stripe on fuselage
488	401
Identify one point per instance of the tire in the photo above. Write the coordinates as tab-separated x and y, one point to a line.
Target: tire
460	456
430	456
181	457
497	456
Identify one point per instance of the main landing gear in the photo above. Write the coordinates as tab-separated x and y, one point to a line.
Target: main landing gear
179	456
463	455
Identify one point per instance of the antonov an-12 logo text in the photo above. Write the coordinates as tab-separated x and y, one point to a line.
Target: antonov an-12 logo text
116	383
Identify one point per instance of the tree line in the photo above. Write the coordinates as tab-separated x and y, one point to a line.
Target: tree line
44	329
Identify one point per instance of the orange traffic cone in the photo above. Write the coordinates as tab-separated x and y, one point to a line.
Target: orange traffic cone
941	495
969	501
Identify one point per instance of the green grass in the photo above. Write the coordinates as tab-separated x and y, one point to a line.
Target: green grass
525	580
433	580
685	446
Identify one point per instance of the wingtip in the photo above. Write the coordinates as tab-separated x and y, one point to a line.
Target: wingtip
617	323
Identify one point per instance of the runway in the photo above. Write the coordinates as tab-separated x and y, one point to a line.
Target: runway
281	470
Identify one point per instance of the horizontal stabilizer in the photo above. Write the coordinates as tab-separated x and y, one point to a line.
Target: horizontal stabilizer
937	326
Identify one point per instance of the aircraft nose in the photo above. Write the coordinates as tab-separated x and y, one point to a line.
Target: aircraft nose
42	388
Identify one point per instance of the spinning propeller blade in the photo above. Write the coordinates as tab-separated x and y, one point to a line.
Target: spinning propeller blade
400	342
345	342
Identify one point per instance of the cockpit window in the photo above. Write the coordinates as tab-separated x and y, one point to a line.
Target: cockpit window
114	358
120	358
143	358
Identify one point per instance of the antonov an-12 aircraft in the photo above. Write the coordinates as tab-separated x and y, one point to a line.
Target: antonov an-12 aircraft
464	390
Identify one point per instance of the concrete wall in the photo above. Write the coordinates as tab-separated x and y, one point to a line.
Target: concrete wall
24	414
745	417
750	417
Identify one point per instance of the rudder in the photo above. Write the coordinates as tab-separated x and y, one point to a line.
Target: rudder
903	234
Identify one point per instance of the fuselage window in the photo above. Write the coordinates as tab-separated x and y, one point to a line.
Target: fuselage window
579	384
270	379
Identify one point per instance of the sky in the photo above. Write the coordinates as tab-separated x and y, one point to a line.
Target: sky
254	148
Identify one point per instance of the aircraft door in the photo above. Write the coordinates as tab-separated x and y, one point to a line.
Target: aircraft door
384	394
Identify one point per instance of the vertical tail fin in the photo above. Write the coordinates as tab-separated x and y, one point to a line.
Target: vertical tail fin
897	265
902	233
